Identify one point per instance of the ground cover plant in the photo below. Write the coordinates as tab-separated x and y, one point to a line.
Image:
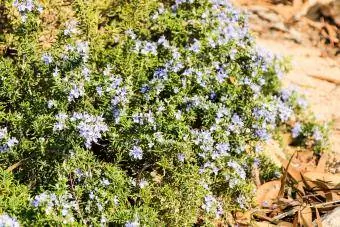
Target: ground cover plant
147	113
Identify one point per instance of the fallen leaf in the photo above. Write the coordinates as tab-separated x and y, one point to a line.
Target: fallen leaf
295	174
332	34
306	216
283	179
318	218
232	79
243	218
263	224
14	166
330	179
285	224
321	167
268	192
296	219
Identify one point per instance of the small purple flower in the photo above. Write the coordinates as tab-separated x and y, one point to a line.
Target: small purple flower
105	182
86	73
181	157
257	162
143	183
58	126
7	221
285	94
209	201
263	134
302	103
99	90
55	72
71	28
144	89
134	223
296	130
64	212
131	34
47	58
317	135
3	132
76	92
238	169
160	74
213	96
136	152
195	47
12	142
50	103
221	76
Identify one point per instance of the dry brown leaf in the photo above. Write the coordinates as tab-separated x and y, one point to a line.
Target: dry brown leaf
306	216
285	224
14	166
283	179
330	179
329	193
311	185
243	218
321	167
305	156
268	192
263	224
232	79
318	218
296	219
332	34
295	174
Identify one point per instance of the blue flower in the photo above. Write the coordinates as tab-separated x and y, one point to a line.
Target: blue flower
212	96
209	202
47	58
317	135
7	221
181	157
136	152
71	28
195	47
105	182
134	223
131	34
145	88
161	74
76	92
12	141
221	76
99	90
296	130
3	133
238	169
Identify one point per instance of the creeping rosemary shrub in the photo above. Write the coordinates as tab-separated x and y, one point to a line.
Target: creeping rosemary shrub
133	113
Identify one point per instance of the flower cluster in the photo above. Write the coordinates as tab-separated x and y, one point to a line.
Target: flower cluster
7	221
26	6
89	127
9	141
53	204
